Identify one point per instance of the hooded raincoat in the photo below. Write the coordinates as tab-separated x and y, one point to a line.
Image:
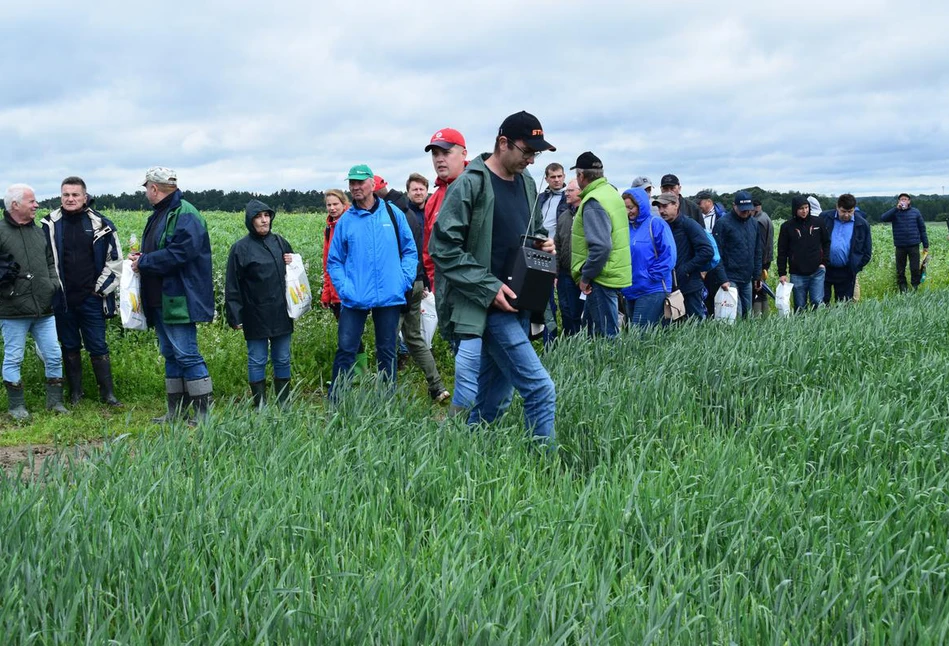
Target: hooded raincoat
256	282
652	250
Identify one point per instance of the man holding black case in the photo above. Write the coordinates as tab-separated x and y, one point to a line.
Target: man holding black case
478	229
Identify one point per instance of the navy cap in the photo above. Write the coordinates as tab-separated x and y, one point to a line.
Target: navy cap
743	201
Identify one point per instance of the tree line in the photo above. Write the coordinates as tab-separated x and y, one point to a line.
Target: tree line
285	201
934	208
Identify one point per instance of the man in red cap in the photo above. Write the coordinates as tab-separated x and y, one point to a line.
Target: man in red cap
448	158
381	190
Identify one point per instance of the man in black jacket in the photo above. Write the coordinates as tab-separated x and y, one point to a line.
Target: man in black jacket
909	230
88	260
411	322
851	248
803	242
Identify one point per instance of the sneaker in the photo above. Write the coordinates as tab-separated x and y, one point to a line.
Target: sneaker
441	397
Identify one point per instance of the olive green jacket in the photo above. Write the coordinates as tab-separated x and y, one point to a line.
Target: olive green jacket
30	295
460	246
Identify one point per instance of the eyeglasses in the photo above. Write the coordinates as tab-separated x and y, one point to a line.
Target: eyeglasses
528	153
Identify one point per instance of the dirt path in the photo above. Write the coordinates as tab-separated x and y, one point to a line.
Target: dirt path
12	457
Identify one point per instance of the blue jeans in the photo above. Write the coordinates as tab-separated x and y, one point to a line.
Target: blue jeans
808	286
508	362
695	304
257	357
83	325
744	297
645	311
178	343
467	367
601	311
43	330
352	322
571	307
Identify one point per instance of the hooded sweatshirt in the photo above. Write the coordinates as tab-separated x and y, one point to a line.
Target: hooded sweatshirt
652	250
802	243
255	285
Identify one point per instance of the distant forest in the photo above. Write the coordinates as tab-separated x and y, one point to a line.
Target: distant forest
777	204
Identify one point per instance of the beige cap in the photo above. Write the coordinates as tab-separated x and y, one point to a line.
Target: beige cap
161	175
665	198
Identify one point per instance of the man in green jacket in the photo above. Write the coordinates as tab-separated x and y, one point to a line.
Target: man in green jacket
28	280
600	260
477	232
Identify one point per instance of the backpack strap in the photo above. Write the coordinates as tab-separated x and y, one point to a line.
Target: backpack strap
395	227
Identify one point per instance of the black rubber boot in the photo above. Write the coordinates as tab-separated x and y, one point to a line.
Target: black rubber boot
259	390
102	367
72	366
282	388
16	405
54	396
176	402
199	391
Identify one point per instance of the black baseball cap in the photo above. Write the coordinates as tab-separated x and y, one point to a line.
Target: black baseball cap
704	195
588	161
669	180
526	127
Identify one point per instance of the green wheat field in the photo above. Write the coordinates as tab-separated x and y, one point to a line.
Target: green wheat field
778	481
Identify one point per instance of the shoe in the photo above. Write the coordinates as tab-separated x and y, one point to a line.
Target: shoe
259	391
54	396
401	362
72	366
282	388
16	406
199	391
102	368
176	400
441	397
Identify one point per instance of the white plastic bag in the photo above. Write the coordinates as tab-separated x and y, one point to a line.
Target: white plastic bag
130	299
782	298
429	318
726	304
299	297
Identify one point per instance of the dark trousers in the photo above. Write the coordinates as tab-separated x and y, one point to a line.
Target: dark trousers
571	307
842	281
902	253
83	325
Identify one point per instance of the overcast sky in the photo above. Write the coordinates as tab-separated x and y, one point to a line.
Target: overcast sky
821	96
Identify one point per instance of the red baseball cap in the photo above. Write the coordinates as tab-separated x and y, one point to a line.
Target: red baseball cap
379	185
445	139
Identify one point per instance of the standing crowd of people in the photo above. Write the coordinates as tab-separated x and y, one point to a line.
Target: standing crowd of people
620	255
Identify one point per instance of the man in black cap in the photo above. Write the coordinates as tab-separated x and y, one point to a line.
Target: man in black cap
599	247
478	229
688	208
739	244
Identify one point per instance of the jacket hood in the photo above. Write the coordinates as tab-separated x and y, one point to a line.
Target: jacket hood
641	198
250	212
796	202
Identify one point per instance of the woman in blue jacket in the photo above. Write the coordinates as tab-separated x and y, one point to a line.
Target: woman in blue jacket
653	253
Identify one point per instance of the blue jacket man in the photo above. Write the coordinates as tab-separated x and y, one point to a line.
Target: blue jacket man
373	263
177	290
909	230
851	247
739	243
88	260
